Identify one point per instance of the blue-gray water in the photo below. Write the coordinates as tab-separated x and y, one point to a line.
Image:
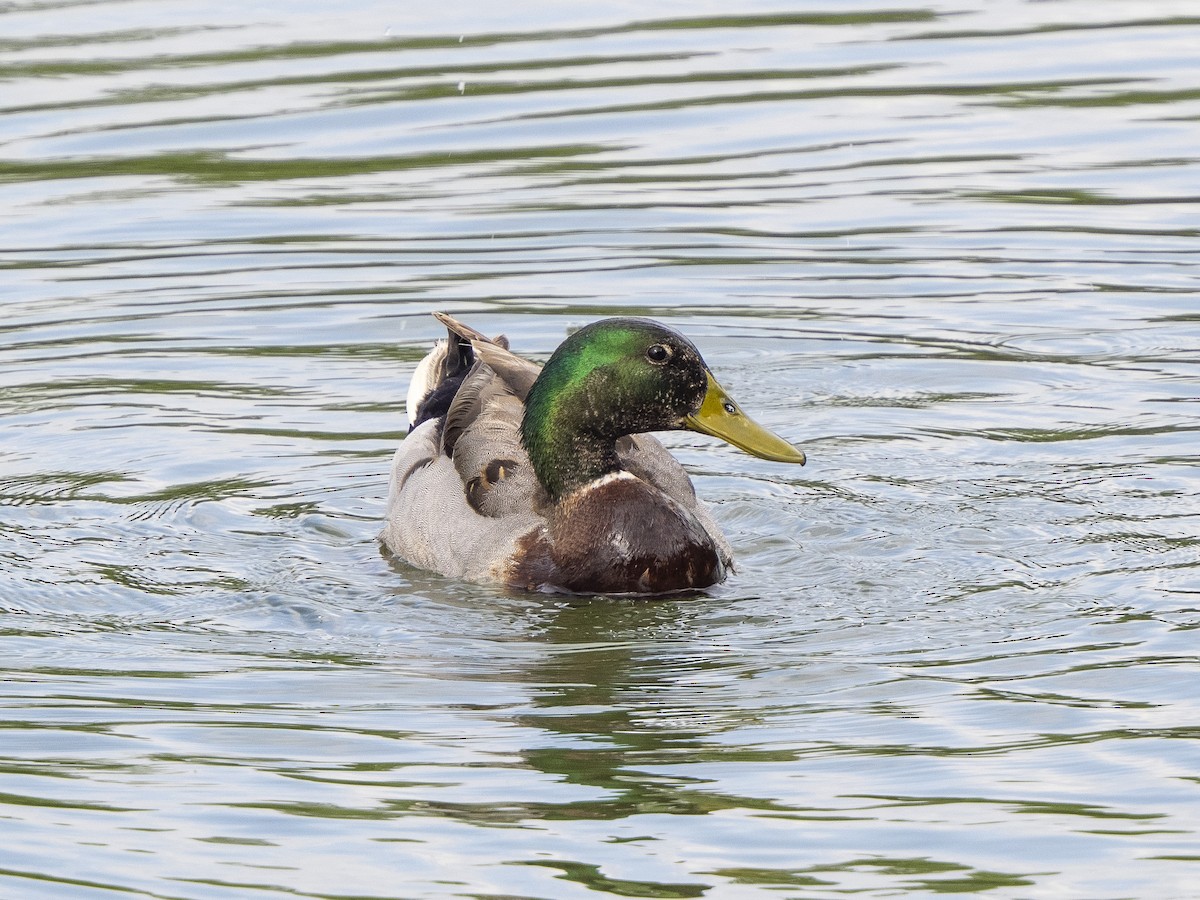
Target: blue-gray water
950	249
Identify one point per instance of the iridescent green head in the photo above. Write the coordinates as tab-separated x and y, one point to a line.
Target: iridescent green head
627	376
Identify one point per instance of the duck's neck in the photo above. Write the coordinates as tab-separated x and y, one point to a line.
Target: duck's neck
571	441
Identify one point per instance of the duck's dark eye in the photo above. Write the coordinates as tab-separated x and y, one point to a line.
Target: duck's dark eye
658	353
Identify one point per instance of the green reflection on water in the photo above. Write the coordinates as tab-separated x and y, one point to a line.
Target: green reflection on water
217	167
590	877
1077	197
971	881
926	871
7	799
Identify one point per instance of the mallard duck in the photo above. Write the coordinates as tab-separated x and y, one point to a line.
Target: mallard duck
544	479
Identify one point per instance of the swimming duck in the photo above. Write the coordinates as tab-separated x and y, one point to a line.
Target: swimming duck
544	478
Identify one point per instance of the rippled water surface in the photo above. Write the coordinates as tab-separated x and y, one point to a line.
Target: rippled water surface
950	249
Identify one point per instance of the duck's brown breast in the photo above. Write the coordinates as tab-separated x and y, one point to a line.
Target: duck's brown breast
619	535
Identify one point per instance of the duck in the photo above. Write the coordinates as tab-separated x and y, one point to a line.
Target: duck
546	478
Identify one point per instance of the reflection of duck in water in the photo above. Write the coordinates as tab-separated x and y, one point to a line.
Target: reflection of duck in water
542	478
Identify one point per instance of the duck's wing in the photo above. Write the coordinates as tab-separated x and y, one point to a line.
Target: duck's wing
644	456
431	524
483	438
482	432
517	373
462	491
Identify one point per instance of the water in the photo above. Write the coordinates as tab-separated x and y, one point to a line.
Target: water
948	249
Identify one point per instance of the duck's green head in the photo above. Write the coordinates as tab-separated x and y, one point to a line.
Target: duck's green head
627	376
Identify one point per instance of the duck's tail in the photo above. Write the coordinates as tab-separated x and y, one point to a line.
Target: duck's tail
440	374
466	333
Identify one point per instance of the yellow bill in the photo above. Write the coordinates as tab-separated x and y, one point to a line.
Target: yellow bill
721	417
